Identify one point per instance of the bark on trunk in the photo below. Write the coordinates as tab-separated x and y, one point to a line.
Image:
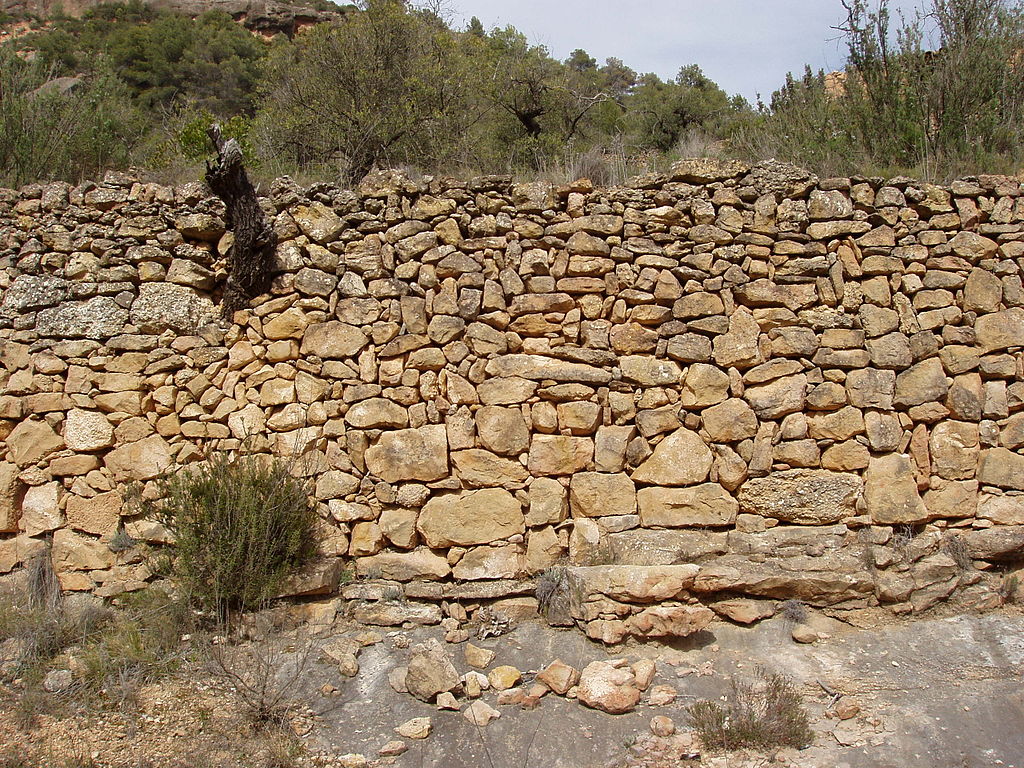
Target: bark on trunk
249	260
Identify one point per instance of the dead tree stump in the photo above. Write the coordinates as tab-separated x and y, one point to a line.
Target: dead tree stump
249	259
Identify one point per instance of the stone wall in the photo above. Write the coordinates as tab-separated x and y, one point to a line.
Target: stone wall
734	384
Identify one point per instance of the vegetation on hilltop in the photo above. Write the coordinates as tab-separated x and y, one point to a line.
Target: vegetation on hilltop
394	84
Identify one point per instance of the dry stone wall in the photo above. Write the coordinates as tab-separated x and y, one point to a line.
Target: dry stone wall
726	385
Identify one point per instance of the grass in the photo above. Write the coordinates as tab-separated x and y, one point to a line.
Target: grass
761	714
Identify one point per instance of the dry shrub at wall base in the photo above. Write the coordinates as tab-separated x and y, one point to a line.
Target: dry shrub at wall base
242	524
764	713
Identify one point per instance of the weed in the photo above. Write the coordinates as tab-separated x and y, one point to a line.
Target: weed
955	546
793	612
902	535
765	713
241	525
121	541
1009	589
557	590
264	676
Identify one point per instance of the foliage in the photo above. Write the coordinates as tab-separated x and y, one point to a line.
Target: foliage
767	712
241	526
900	106
210	62
380	87
61	130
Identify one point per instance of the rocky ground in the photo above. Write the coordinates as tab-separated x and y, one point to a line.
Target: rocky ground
929	692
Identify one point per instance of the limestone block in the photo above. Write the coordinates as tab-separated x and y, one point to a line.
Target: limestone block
837	425
162	306
890	491
681	458
650	371
954	450
333	340
1002	509
410	454
778	398
559	454
31	441
399	526
544	549
417	565
610	447
923	383
502	430
142	460
478	468
579	417
87	431
871	388
803	496
501	562
548	502
510	390
704	385
952	499
705	505
74	552
12	491
669	621
470	517
1000	330
318	222
1001	468
595	494
377	413
39	511
738	347
100	515
730	421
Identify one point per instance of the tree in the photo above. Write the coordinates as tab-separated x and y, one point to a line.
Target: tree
662	113
381	86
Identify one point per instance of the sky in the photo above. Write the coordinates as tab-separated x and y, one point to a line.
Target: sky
746	46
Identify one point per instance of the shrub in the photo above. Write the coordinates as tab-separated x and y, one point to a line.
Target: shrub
767	712
241	525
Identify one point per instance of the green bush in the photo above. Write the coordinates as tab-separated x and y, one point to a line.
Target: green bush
765	713
242	524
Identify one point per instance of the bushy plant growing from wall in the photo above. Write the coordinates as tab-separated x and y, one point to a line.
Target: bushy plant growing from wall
241	524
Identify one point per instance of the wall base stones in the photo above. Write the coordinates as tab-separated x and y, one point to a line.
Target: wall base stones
715	390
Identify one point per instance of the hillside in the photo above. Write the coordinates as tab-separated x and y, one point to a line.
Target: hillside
263	16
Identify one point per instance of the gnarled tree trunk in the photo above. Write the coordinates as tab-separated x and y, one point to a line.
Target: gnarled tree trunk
250	256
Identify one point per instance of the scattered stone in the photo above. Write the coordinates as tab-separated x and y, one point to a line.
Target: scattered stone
416	728
608	688
480	713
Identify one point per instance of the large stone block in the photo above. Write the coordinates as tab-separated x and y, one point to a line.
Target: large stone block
420	564
163	306
890	491
1001	468
469	518
142	460
502	430
705	505
681	458
804	496
31	441
548	502
1000	330
87	431
559	454
100	514
410	454
98	318
333	340
478	468
595	494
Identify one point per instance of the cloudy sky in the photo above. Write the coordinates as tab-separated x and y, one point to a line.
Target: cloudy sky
746	46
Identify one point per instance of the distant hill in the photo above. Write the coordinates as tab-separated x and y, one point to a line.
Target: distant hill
267	17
